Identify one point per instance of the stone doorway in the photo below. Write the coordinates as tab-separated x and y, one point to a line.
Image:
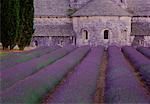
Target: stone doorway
106	37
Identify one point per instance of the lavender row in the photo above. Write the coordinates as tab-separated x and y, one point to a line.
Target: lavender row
80	87
33	88
145	51
15	54
23	55
21	71
23	58
141	63
121	84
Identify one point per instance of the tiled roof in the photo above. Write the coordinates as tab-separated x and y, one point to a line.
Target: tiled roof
54	30
51	7
101	8
139	7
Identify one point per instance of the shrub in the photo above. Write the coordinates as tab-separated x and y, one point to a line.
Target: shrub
11	55
80	87
141	63
145	51
121	84
23	58
31	89
8	77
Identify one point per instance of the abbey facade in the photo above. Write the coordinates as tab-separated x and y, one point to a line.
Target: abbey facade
92	22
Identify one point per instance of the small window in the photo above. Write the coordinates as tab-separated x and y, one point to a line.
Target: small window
121	1
62	42
36	43
85	34
106	32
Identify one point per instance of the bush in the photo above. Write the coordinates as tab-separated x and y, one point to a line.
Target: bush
145	51
31	89
23	58
80	87
8	77
121	84
141	63
71	11
12	55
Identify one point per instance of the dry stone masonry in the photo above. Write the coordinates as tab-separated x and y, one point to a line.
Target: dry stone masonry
92	22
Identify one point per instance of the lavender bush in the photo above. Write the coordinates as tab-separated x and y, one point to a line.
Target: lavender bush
80	87
33	88
20	71
15	54
145	51
141	63
121	84
23	58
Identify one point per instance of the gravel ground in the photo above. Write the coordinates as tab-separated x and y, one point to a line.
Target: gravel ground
139	79
99	95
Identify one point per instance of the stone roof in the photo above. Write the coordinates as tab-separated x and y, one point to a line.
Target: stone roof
93	8
139	7
51	7
54	30
101	8
140	28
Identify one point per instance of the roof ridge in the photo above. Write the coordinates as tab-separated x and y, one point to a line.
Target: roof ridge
100	7
83	5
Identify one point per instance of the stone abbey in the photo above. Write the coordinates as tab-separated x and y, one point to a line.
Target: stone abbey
92	22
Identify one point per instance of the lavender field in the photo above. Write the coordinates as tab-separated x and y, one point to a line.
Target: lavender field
71	75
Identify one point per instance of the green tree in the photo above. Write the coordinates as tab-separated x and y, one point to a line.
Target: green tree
9	23
26	23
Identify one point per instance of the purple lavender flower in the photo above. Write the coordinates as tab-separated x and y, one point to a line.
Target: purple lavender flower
141	63
20	71
145	51
80	87
121	84
31	89
16	59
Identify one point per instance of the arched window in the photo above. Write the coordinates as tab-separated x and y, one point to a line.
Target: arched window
85	34
106	33
36	43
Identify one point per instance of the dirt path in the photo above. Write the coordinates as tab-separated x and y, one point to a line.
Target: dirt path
99	95
138	77
47	98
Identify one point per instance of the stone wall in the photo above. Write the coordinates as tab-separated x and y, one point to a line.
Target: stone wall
140	26
143	30
119	30
146	41
48	40
62	41
41	41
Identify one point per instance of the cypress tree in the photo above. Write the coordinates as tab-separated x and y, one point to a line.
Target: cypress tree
26	23
9	22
